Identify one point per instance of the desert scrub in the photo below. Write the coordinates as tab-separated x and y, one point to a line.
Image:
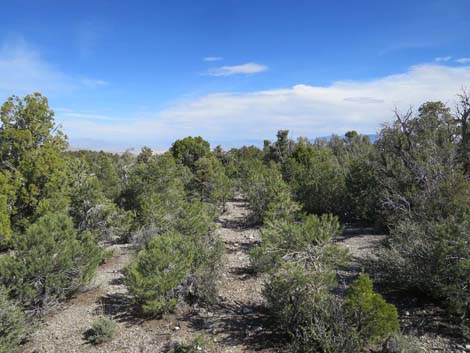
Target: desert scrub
159	268
103	330
432	258
50	262
302	309
375	319
12	323
197	345
283	240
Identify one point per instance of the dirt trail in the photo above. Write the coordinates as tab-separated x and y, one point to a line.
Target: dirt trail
234	325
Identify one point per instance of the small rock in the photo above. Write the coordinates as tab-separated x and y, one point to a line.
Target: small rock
176	328
247	310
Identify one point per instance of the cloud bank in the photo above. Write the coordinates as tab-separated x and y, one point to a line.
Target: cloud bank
307	110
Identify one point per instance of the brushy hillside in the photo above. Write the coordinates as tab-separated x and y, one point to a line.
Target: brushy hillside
337	245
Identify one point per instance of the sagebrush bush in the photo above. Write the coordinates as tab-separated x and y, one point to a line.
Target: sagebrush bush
302	308
50	262
197	345
374	318
401	344
265	190
103	330
12	323
432	258
284	239
158	270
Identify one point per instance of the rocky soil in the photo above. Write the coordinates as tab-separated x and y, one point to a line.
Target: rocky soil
236	324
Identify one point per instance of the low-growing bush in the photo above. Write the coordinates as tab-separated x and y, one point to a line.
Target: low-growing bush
431	258
283	240
197	345
12	324
401	344
50	262
265	190
374	319
302	308
103	330
160	267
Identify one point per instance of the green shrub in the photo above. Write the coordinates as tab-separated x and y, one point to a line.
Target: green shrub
282	239
265	191
301	307
50	262
401	344
374	318
317	179
12	324
432	258
103	330
197	345
159	268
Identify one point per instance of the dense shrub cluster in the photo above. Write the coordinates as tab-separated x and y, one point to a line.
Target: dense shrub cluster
413	181
300	259
50	262
12	323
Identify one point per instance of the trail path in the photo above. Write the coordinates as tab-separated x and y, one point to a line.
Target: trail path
234	325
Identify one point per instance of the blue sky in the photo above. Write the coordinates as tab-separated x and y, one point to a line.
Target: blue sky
130	73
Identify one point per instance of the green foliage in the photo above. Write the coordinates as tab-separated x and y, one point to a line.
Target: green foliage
419	170
188	150
159	268
265	191
401	344
12	324
362	203
210	181
317	179
374	319
49	263
103	330
197	345
155	187
30	149
283	239
301	307
7	199
432	258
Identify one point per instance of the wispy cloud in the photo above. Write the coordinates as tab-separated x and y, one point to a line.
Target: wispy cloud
93	82
463	60
66	113
23	70
212	58
443	59
243	69
306	110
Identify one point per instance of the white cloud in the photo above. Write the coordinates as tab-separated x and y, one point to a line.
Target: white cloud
463	60
306	110
65	113
443	59
89	82
245	69
212	58
23	70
